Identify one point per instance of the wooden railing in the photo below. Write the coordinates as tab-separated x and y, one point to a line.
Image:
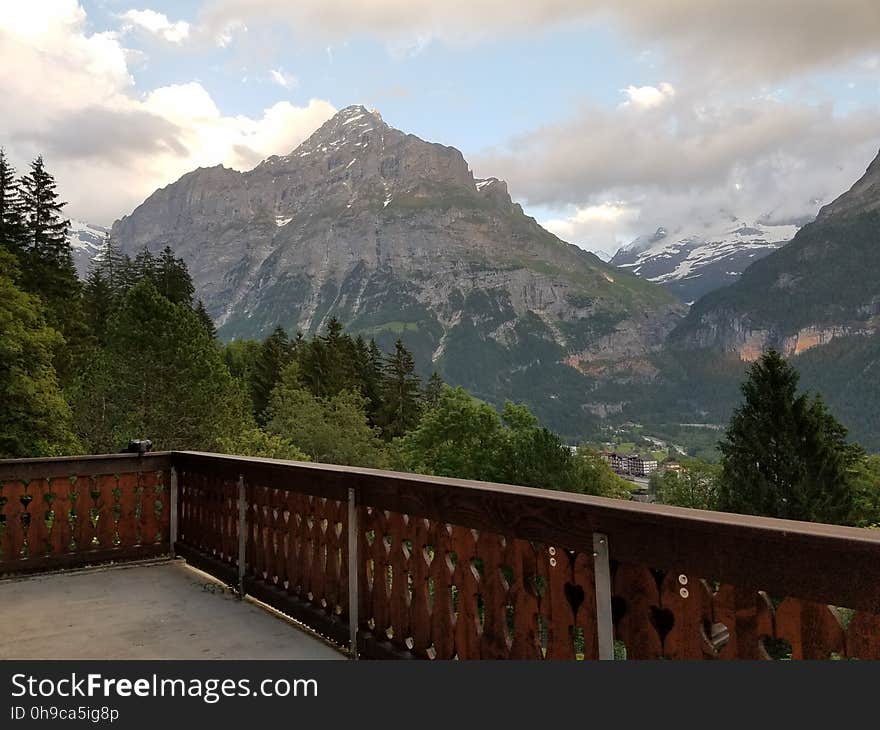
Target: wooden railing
74	511
424	567
446	568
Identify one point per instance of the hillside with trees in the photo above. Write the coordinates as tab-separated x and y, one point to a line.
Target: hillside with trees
130	353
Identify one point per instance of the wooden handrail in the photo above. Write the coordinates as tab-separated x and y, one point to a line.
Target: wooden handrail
452	567
821	562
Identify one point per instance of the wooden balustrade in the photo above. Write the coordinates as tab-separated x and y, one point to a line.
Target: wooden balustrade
68	512
447	568
450	568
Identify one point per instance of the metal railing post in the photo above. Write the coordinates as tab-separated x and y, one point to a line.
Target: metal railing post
173	515
353	618
602	577
242	535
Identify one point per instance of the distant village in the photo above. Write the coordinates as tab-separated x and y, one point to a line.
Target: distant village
633	464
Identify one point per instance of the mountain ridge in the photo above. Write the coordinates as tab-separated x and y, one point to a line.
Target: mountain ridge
395	237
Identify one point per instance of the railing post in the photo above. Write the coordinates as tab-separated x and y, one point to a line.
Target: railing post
353	618
242	535
602	577
173	508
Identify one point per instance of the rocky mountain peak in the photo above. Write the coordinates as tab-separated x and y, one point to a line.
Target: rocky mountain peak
863	197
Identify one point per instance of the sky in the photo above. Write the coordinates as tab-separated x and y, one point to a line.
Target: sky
607	119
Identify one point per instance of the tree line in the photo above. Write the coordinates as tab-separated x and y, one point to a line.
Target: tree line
783	454
131	353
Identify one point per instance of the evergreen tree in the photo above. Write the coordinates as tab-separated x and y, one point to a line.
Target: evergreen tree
784	454
116	267
11	222
35	420
328	363
433	390
46	228
143	268
206	320
401	393
368	364
159	377
47	265
99	301
172	279
275	354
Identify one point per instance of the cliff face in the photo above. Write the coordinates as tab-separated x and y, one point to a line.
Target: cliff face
395	237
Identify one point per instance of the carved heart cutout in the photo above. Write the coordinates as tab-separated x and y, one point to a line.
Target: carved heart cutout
618	608
663	620
574	594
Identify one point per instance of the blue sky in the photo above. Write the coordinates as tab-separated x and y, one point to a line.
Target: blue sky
605	122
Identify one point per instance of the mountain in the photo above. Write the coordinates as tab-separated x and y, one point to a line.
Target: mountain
823	285
692	261
817	300
85	241
395	237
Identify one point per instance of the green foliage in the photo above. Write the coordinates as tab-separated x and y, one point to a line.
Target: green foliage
401	393
328	363
257	442
467	438
205	319
433	390
866	493
160	376
460	437
47	265
12	230
332	429
784	454
694	486
35	420
274	355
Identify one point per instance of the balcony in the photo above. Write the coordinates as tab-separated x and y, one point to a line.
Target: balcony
389	565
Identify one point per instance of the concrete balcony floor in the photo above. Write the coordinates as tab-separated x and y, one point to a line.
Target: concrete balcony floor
163	610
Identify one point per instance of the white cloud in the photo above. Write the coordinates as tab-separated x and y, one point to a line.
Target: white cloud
757	39
648	97
157	24
282	78
601	228
109	147
610	174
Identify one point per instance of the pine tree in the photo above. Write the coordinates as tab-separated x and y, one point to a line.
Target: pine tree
11	222
401	393
159	377
116	267
35	420
47	265
368	364
172	278
784	454
206	320
275	354
433	390
143	268
46	227
99	301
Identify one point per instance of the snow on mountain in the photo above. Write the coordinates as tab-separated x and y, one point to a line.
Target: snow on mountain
691	262
85	243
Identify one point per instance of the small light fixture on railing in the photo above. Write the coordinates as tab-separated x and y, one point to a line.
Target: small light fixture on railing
138	446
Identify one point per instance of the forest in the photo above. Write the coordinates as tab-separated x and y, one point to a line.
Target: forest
131	353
